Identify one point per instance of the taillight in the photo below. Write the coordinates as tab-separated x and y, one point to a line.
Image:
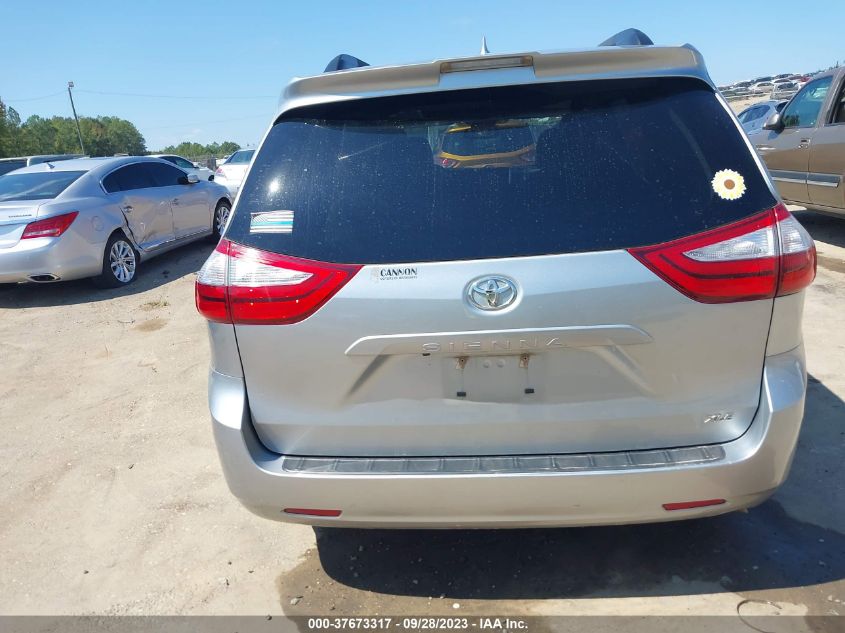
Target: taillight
797	254
49	227
239	284
219	171
769	254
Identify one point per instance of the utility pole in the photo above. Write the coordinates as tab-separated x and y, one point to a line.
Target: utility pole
76	118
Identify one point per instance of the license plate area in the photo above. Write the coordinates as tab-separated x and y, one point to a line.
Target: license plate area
503	378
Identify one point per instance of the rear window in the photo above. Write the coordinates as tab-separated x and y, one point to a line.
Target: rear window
36	186
498	172
10	165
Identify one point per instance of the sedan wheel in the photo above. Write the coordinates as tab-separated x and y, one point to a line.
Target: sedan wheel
122	261
221	216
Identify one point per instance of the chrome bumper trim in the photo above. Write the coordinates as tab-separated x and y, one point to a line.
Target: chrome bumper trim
517	464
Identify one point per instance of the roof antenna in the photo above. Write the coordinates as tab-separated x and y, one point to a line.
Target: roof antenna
484	50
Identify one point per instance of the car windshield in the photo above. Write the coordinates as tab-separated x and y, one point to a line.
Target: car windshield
36	186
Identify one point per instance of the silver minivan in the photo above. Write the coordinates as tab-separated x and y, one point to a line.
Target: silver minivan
540	289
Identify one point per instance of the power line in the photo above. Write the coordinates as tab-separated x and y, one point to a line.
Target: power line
54	94
194	123
196	97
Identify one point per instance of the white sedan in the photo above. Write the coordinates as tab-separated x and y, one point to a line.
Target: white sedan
231	173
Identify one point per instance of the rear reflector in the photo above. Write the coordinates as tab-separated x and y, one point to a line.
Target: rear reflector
686	505
244	285
49	227
767	255
313	512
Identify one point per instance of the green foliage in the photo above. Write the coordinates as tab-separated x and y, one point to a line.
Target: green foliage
10	122
103	135
189	149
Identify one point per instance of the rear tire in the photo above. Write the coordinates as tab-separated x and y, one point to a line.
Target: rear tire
120	263
221	217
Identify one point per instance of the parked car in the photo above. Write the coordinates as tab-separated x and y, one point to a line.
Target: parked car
101	217
784	90
804	145
754	116
231	173
762	87
203	173
609	333
10	164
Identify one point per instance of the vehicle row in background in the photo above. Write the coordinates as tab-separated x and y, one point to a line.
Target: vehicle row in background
780	86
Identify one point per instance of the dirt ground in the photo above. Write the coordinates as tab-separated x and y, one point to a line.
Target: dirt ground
114	503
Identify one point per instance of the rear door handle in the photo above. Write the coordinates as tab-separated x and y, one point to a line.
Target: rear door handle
175	201
127	209
804	142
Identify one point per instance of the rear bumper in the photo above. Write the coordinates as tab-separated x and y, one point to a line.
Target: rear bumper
745	472
67	257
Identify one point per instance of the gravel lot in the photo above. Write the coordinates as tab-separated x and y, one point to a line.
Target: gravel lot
115	504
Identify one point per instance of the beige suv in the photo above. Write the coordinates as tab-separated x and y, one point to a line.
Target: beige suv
804	145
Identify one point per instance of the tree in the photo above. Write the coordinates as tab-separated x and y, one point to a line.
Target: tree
10	123
103	136
191	149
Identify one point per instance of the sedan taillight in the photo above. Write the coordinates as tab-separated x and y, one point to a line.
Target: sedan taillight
49	227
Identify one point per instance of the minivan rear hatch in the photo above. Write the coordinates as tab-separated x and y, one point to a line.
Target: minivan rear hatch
484	299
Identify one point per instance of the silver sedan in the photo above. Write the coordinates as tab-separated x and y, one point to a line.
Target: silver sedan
101	218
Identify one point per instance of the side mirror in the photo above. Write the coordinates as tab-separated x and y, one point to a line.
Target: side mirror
189	179
774	123
211	177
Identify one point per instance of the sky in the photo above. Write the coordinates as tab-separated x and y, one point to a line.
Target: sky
212	70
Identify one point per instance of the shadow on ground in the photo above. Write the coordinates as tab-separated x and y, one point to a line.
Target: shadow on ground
823	228
152	274
765	548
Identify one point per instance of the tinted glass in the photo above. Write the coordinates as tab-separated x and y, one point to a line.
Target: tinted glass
803	110
37	186
613	165
165	175
241	157
10	165
181	162
129	178
839	107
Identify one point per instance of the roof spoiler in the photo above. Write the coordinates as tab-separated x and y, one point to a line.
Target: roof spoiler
628	37
344	62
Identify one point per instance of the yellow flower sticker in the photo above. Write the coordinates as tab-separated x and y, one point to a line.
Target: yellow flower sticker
728	184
